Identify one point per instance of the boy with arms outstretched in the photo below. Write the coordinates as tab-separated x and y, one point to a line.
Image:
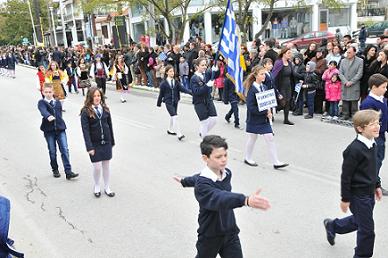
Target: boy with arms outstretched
218	231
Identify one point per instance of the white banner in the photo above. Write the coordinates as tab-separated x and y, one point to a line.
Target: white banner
266	99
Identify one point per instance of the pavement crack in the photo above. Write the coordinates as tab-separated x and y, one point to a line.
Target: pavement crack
29	186
74	227
42	207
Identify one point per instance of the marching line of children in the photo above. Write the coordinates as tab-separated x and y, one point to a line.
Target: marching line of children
8	63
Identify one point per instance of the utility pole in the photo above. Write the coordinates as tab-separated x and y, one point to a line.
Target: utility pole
63	24
32	22
54	26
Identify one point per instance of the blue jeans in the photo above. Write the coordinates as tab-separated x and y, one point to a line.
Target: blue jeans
185	81
310	102
380	144
150	78
52	139
333	108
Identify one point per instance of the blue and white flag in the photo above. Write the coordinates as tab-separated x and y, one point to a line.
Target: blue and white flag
230	48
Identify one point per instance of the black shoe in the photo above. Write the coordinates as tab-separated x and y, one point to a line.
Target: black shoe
297	113
227	120
237	126
329	235
254	164
346	118
280	166
71	175
111	194
308	116
170	133
98	194
385	192
287	122
56	173
181	137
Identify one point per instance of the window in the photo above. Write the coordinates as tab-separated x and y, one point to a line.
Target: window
309	36
339	17
321	34
105	31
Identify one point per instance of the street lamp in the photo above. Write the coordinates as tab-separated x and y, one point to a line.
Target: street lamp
63	23
54	27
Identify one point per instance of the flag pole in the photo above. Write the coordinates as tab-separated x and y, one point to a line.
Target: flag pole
222	31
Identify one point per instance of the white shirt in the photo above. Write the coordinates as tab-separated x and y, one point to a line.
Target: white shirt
259	87
368	143
200	75
169	80
99	107
208	173
378	98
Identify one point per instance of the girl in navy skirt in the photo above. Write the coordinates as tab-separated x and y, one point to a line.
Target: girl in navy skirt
97	130
201	85
170	94
259	122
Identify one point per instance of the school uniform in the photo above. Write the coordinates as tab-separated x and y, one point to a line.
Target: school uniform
230	96
359	181
98	133
169	94
218	231
379	104
257	121
54	133
202	100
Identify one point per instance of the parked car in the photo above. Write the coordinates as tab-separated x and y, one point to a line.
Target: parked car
304	40
376	30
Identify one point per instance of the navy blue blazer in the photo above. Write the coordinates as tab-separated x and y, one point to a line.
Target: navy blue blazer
201	92
230	94
91	129
11	62
3	62
254	116
47	110
171	96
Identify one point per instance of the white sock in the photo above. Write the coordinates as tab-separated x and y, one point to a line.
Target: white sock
203	125
122	96
171	126
270	140
97	167
106	175
211	122
176	127
250	146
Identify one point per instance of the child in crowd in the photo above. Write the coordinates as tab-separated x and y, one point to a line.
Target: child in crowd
218	231
184	72
309	85
170	94
219	82
376	101
159	70
230	96
332	89
360	184
71	74
259	122
54	129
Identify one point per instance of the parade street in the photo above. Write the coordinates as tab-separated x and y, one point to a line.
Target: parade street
152	216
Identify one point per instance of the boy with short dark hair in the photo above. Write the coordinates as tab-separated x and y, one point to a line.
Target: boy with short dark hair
359	185
54	129
375	100
218	232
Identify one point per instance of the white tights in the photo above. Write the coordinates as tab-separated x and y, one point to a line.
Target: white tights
206	125
174	126
269	139
97	167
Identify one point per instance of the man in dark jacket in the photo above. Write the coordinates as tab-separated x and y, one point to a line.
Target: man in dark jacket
362	37
271	53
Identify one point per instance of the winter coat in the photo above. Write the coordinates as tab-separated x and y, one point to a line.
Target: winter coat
351	71
333	91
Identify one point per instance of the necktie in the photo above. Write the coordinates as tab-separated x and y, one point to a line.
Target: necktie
172	84
98	112
52	103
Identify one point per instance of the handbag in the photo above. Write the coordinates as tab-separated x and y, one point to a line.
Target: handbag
84	84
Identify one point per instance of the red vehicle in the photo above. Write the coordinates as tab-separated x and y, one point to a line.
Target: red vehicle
304	40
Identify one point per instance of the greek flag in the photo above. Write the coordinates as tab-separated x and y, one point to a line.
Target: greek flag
229	48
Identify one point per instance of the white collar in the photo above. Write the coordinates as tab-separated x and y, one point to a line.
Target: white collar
378	98
368	143
259	87
99	107
208	173
199	74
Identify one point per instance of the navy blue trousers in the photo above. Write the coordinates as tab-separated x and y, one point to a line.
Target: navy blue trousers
233	110
362	222
227	246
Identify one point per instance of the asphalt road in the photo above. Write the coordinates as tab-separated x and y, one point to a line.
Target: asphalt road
151	215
